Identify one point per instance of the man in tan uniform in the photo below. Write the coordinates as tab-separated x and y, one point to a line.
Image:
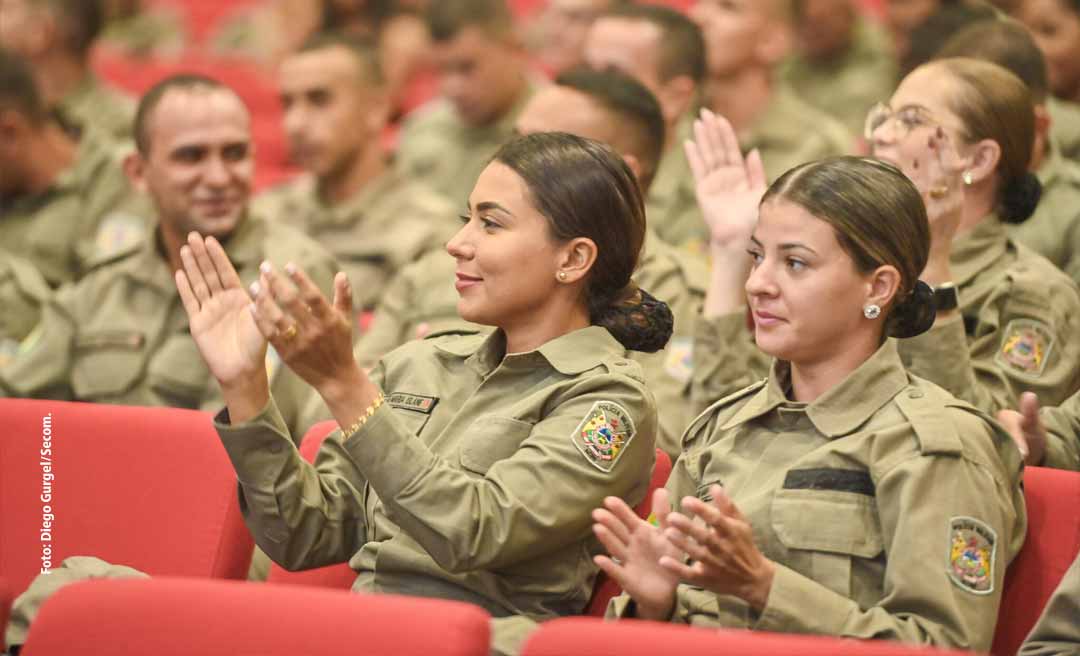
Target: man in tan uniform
610	108
484	84
842	63
56	36
745	43
889	509
370	217
665	51
120	335
62	199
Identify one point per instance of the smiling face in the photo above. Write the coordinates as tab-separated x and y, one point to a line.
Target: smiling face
804	290
507	260
199	162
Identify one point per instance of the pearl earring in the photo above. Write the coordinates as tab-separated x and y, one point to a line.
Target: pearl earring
967	178
872	311
562	275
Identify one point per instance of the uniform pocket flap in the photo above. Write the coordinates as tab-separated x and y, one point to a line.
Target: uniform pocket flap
178	370
827	520
491	439
107	363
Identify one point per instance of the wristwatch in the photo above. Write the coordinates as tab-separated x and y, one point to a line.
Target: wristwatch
945	297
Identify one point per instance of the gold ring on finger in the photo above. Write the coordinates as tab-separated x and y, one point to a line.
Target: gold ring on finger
290	333
939	192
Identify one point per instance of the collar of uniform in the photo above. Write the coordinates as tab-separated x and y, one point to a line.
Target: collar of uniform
843	408
569	354
978	249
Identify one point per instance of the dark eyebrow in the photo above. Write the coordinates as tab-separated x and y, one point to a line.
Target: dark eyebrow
921	108
792	245
492	205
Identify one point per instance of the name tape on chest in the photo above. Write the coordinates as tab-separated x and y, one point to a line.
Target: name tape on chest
414	402
972	551
604	434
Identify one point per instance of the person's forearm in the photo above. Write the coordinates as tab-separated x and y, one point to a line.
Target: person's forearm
727	284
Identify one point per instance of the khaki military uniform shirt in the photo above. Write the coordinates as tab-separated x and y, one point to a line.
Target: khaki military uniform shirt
22	293
85	213
153	31
847	86
388	224
475	479
791	132
424	294
94	105
121	334
1065	127
1053	230
671	203
1062	434
1015	331
439	150
890	508
1057	632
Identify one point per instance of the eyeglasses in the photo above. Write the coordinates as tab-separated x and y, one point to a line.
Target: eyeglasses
906	119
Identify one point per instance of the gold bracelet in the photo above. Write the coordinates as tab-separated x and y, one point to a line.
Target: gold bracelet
359	423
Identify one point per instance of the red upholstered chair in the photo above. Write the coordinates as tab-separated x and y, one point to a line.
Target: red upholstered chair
6	597
590	636
605	588
151	488
332	576
179	617
1053	540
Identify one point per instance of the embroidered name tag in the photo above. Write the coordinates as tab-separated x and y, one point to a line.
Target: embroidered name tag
414	402
827	478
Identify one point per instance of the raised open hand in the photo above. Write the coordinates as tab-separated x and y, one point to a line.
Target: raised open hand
939	178
219	313
636	547
728	187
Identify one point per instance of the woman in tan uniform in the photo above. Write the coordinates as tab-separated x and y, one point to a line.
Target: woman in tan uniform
467	465
962	131
841	496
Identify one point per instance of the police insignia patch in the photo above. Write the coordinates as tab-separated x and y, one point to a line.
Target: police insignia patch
604	433
118	231
1026	346
679	361
972	547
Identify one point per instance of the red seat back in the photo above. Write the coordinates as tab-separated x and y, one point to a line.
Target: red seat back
605	588
595	637
151	488
332	576
179	617
1053	541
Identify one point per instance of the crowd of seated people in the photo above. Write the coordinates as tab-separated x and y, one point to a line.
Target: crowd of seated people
824	254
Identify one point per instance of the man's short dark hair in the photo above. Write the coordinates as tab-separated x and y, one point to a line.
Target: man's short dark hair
931	35
641	120
18	91
363	51
682	45
152	98
1006	43
80	21
448	18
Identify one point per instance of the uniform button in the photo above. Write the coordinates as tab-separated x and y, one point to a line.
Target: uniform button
621	363
915	394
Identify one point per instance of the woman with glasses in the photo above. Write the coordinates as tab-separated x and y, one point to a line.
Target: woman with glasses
962	131
842	495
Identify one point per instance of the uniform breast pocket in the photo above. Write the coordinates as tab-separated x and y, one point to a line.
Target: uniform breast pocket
107	364
491	439
825	531
178	373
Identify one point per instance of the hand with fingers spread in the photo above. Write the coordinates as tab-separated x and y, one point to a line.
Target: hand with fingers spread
728	187
720	544
1026	429
219	313
636	548
312	335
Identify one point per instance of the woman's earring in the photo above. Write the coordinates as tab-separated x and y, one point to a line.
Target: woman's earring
562	275
967	178
872	311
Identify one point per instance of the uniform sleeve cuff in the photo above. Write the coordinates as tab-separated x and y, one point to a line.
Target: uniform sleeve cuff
255	445
790	597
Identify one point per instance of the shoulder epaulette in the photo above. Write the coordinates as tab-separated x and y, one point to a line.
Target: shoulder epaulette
925	410
749	390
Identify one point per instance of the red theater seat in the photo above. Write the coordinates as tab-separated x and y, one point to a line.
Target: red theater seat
150	488
605	588
590	636
179	617
1053	541
332	576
